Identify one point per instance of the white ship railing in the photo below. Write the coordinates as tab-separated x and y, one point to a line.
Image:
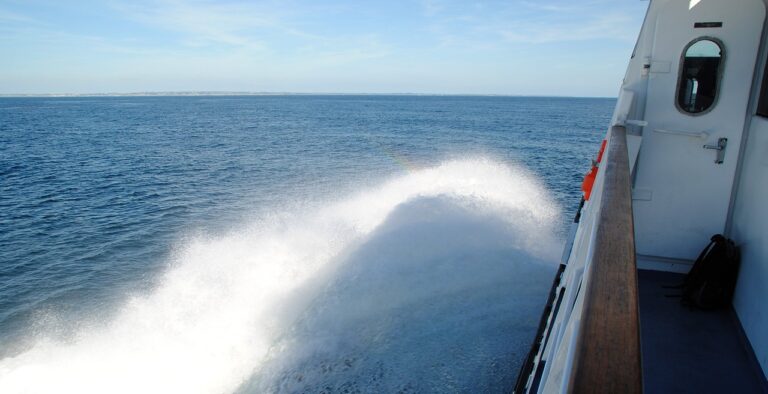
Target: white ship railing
591	340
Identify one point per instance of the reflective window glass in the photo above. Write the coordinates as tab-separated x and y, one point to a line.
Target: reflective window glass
699	76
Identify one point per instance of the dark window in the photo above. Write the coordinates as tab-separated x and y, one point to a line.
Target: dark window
699	76
762	103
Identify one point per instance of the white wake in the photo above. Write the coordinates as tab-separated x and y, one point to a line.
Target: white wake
265	307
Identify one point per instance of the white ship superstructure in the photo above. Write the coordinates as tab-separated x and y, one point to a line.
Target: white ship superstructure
686	157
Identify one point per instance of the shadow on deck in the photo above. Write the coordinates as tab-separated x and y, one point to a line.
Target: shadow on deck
686	350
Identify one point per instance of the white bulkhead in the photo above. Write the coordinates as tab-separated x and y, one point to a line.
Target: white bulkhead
694	103
690	98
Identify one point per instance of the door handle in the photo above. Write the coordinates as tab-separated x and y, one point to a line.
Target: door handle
720	148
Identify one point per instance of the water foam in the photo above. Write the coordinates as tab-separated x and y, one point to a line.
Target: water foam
244	307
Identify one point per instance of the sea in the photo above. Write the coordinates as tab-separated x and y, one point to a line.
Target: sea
282	243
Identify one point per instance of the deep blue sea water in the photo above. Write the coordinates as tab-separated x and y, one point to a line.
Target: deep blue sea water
282	243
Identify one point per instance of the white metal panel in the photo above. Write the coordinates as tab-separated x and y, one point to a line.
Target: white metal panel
750	231
690	193
559	351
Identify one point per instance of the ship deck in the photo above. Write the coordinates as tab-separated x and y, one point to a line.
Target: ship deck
686	350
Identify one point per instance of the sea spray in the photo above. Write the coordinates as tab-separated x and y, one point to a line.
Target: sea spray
428	282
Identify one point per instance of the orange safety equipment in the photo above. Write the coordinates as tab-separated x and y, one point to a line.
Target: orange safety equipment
589	179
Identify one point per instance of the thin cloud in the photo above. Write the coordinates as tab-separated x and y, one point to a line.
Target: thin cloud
234	24
202	23
245	26
37	31
431	7
555	7
362	48
10	16
611	27
62	39
528	23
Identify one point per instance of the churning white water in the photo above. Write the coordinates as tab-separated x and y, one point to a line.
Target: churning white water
432	281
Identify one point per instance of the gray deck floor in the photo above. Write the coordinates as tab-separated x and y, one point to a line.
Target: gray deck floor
691	351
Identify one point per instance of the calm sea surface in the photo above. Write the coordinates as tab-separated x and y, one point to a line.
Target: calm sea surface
136	221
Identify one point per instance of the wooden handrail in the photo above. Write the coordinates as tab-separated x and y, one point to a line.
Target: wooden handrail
607	358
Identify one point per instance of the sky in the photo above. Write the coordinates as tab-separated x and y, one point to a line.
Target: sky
508	47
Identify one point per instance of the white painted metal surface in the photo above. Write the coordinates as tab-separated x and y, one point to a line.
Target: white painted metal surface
680	196
557	354
750	230
691	193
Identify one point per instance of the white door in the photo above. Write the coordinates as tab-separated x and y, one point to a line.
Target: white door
681	194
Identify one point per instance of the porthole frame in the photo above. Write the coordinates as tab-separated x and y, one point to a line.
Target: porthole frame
719	80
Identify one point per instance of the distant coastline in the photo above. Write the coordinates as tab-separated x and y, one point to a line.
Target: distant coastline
234	93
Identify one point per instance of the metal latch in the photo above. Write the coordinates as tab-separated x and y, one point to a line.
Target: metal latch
720	148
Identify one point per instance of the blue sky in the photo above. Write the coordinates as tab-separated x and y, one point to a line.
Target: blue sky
564	48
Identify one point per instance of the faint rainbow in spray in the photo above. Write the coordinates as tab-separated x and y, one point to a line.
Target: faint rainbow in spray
401	160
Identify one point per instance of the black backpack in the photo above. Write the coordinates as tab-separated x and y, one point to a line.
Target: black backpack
712	279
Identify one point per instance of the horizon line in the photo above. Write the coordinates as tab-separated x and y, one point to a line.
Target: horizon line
247	93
